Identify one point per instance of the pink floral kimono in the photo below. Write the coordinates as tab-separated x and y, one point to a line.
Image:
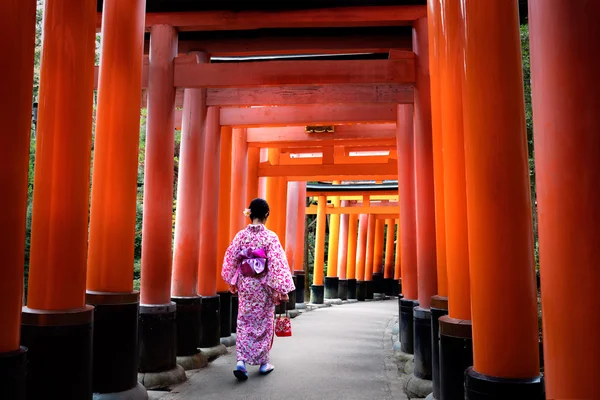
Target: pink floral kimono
256	305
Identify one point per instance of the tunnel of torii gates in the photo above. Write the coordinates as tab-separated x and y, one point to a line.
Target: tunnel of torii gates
464	249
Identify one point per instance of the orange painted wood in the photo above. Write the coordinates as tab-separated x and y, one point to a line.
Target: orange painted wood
378	245
566	143
252	177
361	247
398	258
320	242
17	28
145	75
499	206
208	260
352	242
334	238
300	228
324	17
281	198
190	74
57	269
370	253
353	170
239	181
272	191
424	187
291	222
436	48
189	194
342	257
406	196
351	195
388	271
225	213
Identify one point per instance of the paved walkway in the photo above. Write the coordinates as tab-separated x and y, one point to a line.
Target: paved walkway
339	352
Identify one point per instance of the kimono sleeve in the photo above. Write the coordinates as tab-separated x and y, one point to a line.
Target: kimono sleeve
231	259
279	277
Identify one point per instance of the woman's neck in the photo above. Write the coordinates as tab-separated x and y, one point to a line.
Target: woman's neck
257	222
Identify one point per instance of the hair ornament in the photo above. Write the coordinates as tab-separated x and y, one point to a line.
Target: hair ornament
246	212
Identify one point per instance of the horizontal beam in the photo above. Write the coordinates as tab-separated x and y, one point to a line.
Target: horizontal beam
352	194
353	170
308	115
387	210
245	20
190	74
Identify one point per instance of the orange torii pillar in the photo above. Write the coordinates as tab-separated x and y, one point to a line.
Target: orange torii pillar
239	183
224	228
565	104
17	30
388	268
407	226
157	312
299	269
397	289
56	324
113	207
184	285
317	290
351	255
252	179
455	343
378	256
272	191
332	279
370	257
262	181
505	327
343	254
361	256
208	258
291	230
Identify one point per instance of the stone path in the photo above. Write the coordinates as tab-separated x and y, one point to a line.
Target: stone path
339	352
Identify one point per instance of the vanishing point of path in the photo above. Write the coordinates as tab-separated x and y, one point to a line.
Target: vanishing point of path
339	352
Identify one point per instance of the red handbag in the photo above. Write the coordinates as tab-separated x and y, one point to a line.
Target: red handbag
283	325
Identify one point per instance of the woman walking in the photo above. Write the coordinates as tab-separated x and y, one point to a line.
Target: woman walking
255	266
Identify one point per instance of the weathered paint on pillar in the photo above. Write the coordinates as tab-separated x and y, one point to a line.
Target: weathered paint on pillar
343	244
334	238
406	199
565	36
398	258
424	188
239	180
378	246
352	239
436	46
224	214
252	177
208	260
370	247
300	227
505	330
388	271
116	147
291	229
189	194
320	241
17	28
361	247
57	269
157	228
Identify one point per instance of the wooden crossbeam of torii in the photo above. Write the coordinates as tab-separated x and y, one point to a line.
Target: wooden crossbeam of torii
389	210
385	171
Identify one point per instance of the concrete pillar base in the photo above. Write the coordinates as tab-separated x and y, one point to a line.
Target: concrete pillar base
158	338
291	304
351	289
163	379
317	294
417	387
483	387
229	341
13	372
334	302
138	392
211	322
58	343
422	337
195	361
456	355
213	352
300	306
331	287
439	308
300	285
343	289
406	325
361	290
225	313
188	320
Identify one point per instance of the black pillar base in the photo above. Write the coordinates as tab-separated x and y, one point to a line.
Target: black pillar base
351	289
422	338
343	289
13	373
396	290
291	304
378	282
388	284
484	387
317	294
225	313
361	290
300	286
439	308
115	341
59	345
210	327
407	344
158	338
234	312
369	290
331	287
456	355
187	321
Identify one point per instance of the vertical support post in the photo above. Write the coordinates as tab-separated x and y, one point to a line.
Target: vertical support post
566	142
378	256
300	245
342	256
239	181
291	230
262	181
113	208
369	258
208	260
56	324
361	256
184	285
332	279
252	177
388	273
272	191
17	30
498	207
351	255
317	288
397	261
282	194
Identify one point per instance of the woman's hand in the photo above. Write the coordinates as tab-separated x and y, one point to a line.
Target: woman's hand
233	289
285	298
279	298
